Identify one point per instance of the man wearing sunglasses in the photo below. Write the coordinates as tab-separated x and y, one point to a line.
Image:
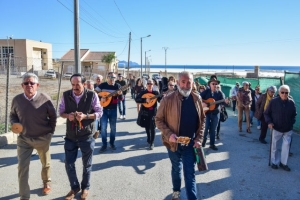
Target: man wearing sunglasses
36	113
80	107
280	116
110	111
212	116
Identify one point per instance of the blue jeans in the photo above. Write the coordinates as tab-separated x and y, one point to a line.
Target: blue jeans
111	116
97	122
211	123
122	107
71	151
184	158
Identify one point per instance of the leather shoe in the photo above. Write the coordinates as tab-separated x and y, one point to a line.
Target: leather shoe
263	141
213	147
84	194
72	194
284	167
274	166
46	189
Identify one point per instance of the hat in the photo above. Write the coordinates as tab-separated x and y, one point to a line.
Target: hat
213	78
120	75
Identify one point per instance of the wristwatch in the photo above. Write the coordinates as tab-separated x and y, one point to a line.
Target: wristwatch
87	116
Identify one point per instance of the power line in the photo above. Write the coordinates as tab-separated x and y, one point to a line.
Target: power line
88	22
113	28
122	16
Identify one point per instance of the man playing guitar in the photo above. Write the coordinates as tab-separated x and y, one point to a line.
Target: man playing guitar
212	116
110	111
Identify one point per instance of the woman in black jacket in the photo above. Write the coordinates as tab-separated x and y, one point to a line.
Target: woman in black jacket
147	114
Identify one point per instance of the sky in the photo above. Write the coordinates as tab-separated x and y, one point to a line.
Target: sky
195	32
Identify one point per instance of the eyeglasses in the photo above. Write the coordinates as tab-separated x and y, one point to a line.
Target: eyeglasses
111	77
149	84
31	83
284	92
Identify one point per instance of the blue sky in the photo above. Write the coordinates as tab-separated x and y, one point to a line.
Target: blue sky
197	32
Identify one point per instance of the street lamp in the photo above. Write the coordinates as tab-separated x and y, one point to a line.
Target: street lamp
145	60
142	53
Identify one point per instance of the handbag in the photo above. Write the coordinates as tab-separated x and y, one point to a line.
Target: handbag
200	159
142	118
223	115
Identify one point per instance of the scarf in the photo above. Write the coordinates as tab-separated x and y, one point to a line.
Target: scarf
267	102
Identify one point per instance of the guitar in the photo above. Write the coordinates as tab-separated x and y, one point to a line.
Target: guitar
211	104
108	96
152	97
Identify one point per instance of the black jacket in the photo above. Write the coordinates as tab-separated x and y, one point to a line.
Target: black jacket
73	132
281	113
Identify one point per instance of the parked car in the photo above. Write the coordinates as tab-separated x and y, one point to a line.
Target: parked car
67	75
50	73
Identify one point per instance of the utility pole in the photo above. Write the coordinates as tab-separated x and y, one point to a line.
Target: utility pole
166	48
76	37
7	89
128	54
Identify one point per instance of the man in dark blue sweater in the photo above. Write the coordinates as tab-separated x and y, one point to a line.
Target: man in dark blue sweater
110	111
280	116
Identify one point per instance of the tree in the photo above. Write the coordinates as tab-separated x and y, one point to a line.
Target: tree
108	58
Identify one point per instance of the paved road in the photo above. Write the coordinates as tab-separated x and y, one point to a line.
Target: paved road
239	170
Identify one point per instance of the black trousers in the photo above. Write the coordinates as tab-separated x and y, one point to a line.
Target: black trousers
263	129
150	130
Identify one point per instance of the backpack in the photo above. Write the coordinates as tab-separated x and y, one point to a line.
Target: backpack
223	115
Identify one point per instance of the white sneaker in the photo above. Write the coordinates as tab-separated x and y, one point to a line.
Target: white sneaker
258	127
124	116
234	114
121	117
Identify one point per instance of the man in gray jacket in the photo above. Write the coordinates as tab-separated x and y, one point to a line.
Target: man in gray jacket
280	116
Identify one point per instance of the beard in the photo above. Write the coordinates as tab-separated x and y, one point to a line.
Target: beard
184	92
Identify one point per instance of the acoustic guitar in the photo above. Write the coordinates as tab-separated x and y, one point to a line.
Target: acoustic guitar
152	97
211	104
108	96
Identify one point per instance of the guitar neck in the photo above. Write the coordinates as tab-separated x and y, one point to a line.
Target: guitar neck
115	92
156	96
216	102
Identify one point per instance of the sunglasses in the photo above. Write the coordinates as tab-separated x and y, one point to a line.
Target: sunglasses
111	77
284	92
214	84
27	83
149	84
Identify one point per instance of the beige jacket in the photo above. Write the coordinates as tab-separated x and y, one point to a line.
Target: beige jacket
167	118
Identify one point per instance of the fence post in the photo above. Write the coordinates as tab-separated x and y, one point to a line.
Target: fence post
59	86
7	88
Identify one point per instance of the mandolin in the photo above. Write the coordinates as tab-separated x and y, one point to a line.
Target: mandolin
108	95
152	97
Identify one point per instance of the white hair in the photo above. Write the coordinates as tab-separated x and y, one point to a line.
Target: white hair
285	87
185	73
29	75
99	76
90	81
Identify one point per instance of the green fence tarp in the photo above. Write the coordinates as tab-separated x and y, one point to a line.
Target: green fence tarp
293	80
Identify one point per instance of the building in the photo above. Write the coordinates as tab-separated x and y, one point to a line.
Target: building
91	62
26	55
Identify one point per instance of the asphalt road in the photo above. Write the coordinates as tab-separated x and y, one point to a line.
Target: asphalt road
238	170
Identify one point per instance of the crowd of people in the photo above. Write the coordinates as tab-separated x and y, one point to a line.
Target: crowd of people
186	109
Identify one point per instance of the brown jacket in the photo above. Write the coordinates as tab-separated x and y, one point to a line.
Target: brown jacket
244	98
168	118
259	106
